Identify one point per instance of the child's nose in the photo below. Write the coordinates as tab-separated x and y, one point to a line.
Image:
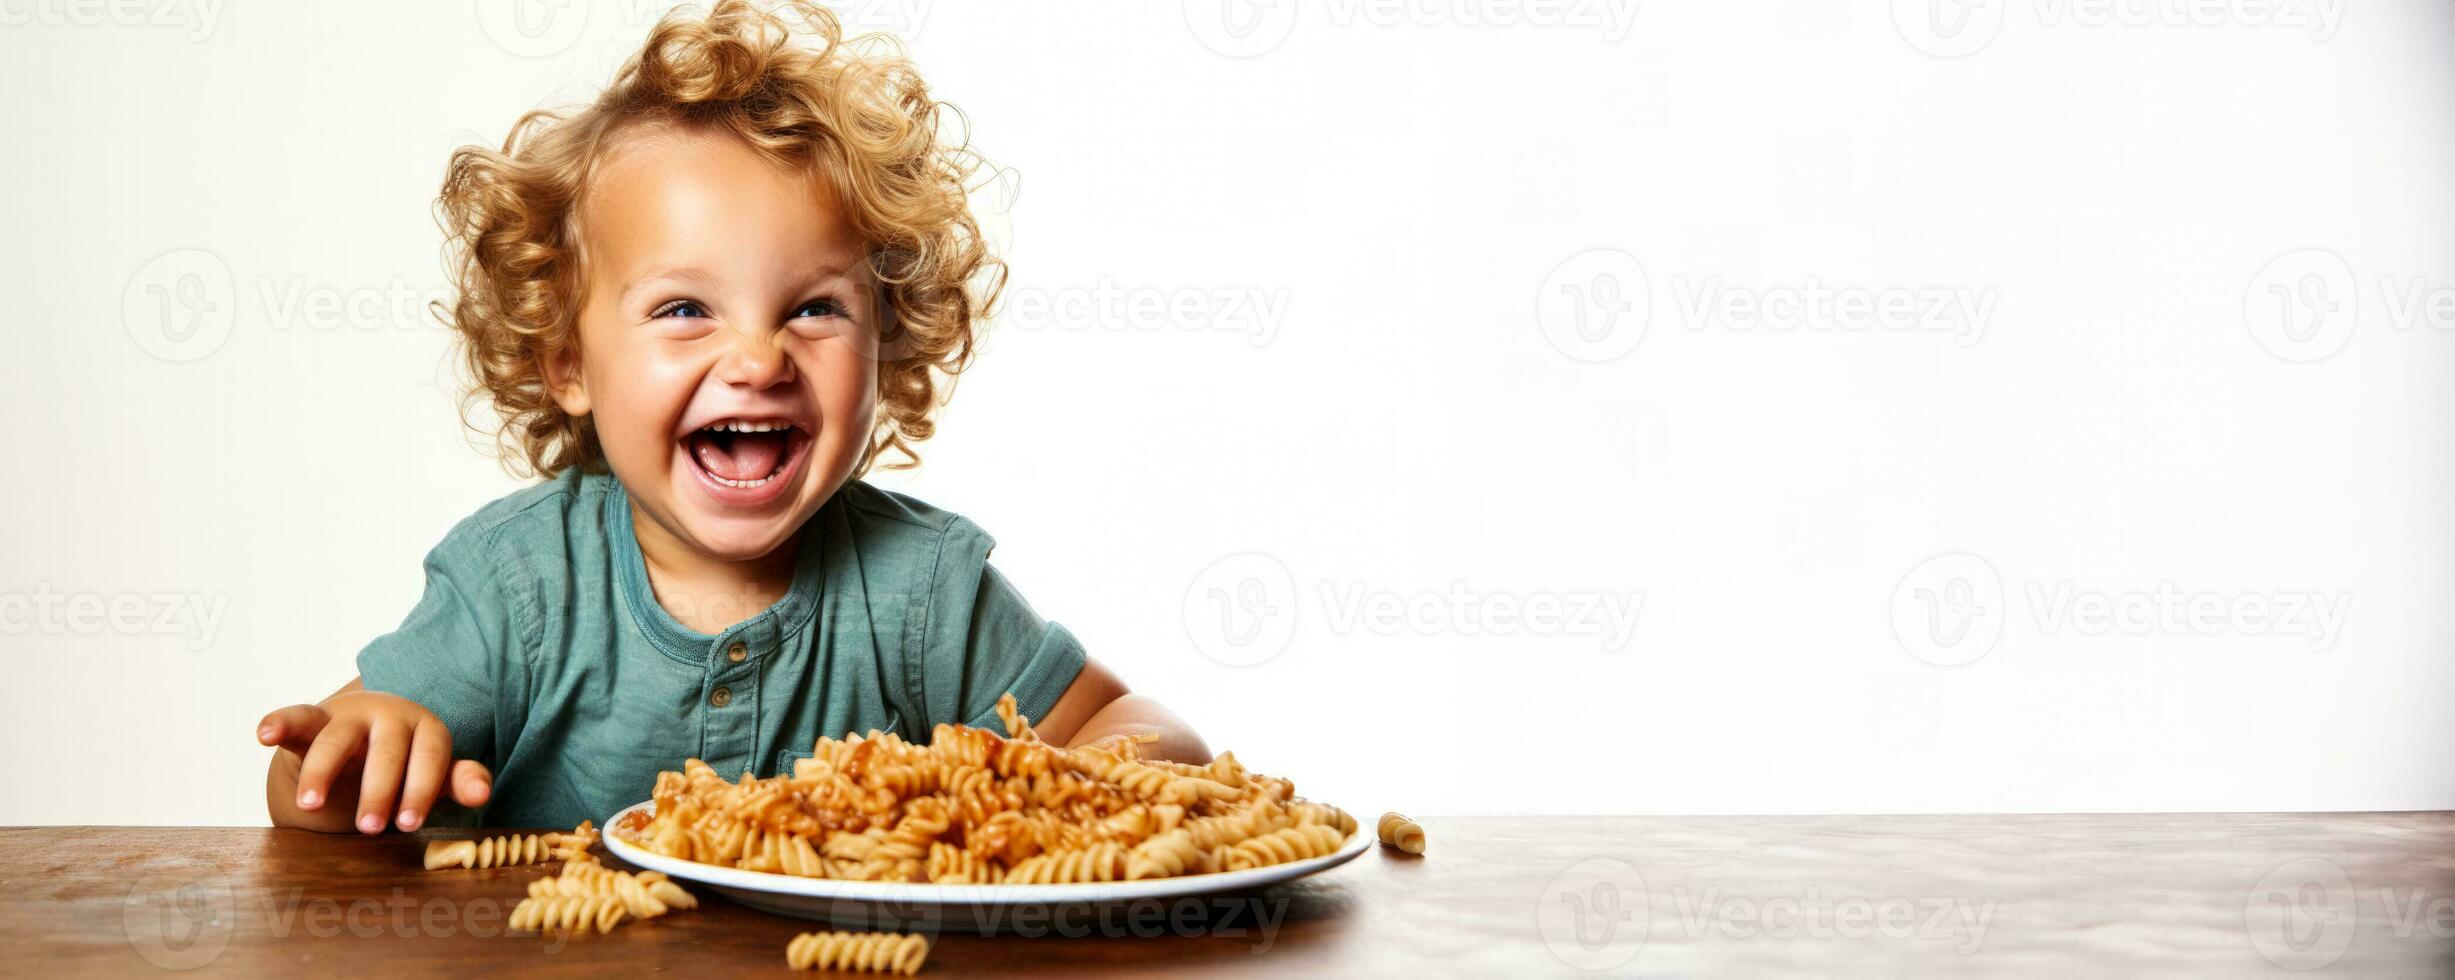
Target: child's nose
756	360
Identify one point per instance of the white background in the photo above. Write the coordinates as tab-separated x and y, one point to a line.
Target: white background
1368	244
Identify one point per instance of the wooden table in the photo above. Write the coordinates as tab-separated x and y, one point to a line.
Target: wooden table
2229	894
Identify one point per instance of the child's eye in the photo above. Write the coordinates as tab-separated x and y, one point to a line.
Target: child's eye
818	308
679	307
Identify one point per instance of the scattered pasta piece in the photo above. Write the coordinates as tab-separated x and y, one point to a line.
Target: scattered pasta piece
496	852
565	913
864	952
645	895
1399	832
975	807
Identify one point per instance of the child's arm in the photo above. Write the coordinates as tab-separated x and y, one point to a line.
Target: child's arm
358	753
1098	706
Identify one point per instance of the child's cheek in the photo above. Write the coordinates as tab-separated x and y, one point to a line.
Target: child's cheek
842	367
851	390
647	387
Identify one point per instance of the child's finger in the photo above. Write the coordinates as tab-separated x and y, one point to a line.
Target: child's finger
333	749
380	785
471	783
430	755
293	728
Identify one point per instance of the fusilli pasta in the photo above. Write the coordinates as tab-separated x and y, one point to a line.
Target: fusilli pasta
645	895
588	895
566	912
1399	832
865	952
496	852
976	807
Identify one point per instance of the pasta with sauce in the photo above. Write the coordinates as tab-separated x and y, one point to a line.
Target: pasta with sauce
974	807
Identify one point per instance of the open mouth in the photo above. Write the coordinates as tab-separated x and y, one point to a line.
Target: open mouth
745	454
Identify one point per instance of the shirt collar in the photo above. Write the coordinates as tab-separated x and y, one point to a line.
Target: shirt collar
761	632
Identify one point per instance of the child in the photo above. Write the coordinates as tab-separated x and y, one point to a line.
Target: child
702	306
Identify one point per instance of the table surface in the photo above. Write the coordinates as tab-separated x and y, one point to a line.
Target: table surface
2229	894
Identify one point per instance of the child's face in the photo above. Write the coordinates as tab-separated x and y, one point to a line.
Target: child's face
726	343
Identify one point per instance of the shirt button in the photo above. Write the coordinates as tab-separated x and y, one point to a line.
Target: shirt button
721	696
737	652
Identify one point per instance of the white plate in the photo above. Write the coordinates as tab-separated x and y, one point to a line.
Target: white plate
907	905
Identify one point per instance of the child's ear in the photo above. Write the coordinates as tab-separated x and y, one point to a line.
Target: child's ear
892	343
562	370
890	340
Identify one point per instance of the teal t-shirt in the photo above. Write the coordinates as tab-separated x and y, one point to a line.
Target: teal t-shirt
541	645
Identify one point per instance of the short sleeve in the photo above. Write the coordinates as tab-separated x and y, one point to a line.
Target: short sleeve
456	653
984	640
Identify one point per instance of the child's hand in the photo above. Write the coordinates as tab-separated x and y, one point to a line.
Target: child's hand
1123	745
400	751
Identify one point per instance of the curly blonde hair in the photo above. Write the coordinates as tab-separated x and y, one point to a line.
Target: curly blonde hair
787	83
